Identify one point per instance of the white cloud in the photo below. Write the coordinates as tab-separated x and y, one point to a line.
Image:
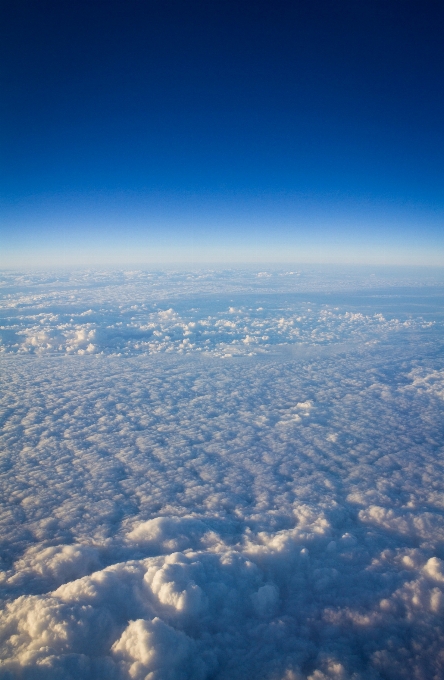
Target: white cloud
169	515
136	313
155	650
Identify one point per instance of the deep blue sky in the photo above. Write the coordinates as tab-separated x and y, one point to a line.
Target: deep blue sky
296	130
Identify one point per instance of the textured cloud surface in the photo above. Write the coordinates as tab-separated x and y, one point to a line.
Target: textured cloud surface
232	507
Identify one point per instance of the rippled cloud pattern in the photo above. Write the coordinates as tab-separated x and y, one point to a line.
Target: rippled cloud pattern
221	476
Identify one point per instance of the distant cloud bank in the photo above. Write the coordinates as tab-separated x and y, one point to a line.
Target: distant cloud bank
135	313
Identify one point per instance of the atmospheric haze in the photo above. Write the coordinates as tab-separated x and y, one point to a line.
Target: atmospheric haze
222	475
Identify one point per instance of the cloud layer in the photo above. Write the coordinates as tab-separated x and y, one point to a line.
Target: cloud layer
221	313
274	515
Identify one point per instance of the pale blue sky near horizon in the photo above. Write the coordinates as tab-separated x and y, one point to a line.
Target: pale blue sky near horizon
195	230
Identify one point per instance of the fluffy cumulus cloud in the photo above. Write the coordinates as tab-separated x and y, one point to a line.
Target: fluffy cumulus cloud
228	508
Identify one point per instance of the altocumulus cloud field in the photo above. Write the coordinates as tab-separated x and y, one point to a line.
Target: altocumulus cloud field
222	475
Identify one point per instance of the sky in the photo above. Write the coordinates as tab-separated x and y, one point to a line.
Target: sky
222	132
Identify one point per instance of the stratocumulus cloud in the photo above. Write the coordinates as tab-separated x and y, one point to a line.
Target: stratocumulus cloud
179	514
